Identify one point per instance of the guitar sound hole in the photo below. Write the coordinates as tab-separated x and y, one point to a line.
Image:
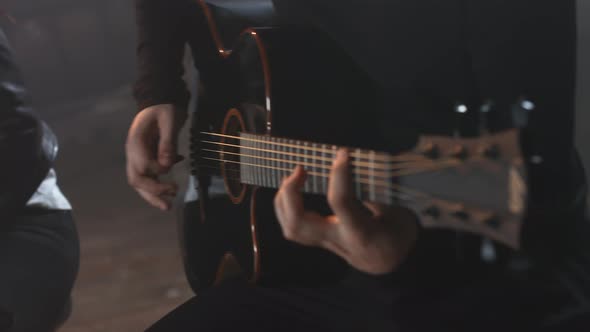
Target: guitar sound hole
230	155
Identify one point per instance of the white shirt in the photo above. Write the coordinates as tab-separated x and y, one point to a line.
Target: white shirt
48	196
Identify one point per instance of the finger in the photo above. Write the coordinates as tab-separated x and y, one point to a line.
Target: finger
297	224
292	186
290	194
378	210
167	149
341	191
141	153
150	184
154	200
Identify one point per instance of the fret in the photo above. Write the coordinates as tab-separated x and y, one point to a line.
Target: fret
309	167
286	165
284	161
324	154
262	161
249	160
309	163
257	171
304	160
290	157
270	171
266	170
388	199
372	189
358	186
272	163
243	170
253	170
318	163
251	152
281	163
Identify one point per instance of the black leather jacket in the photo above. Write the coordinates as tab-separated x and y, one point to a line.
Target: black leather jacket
27	145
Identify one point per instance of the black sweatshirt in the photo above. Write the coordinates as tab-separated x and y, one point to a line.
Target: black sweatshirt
27	145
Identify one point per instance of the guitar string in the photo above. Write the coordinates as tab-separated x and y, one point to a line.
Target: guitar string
331	152
390	191
326	174
364	171
354	162
396	192
381	156
322	160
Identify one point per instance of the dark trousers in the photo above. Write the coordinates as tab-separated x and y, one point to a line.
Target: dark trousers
489	304
39	258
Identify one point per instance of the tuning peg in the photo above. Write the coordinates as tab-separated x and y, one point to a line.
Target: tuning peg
460	152
493	222
488	251
460	110
461	215
492	152
484	112
521	110
431	151
536	159
433	212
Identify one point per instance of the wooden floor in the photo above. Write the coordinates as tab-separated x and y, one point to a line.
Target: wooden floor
131	272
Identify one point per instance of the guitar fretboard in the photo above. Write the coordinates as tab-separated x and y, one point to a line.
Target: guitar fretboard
265	161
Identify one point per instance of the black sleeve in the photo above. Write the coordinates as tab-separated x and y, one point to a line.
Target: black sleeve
25	162
162	35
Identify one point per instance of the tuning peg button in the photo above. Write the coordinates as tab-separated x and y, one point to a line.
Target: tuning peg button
433	212
493	222
492	152
432	152
462	215
460	152
520	112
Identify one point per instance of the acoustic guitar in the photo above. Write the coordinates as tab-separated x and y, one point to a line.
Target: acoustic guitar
293	97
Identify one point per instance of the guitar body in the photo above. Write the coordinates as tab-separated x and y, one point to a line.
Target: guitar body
289	84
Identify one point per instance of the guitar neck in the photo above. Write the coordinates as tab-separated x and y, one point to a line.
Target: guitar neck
475	185
266	160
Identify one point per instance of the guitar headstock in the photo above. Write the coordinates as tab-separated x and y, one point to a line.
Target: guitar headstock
476	184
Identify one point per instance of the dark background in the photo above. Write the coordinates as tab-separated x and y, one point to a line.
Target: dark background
78	61
73	49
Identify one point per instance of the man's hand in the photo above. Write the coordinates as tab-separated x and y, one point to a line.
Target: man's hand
152	151
372	238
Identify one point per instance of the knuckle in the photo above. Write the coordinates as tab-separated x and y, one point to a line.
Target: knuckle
157	190
363	239
290	232
297	215
132	180
339	166
166	143
289	184
277	201
336	199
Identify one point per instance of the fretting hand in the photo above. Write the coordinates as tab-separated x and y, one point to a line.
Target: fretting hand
372	238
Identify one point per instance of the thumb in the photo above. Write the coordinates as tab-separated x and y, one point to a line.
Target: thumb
167	145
